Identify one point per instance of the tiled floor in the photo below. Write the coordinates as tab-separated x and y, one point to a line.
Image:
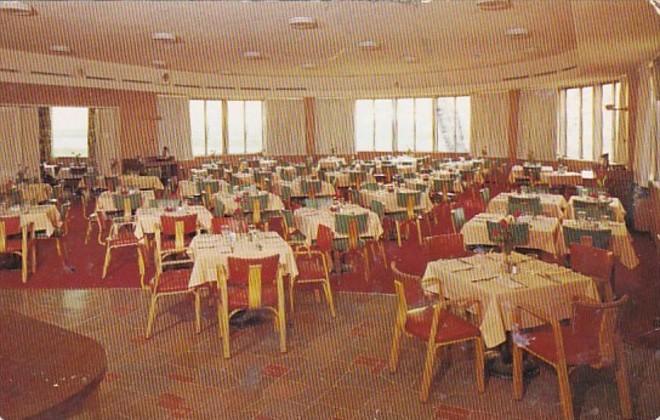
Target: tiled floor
333	369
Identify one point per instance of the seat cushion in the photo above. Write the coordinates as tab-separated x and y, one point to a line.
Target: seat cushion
123	238
13	245
580	349
451	328
174	281
170	243
238	297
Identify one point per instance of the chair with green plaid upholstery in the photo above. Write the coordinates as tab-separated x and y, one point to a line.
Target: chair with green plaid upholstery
595	210
528	206
352	227
127	203
164	203
357	178
444	188
598	238
458	219
219	207
294	235
310	187
255	205
370	186
318	202
406	217
519	233
208	187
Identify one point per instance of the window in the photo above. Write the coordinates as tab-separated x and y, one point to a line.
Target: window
453	124
205	127
244	126
69	131
384	125
587	128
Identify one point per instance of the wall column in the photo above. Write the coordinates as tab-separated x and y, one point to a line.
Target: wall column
310	126
512	129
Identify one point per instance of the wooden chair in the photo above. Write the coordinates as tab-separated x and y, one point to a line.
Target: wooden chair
312	269
293	234
592	339
354	226
405	220
18	240
527	206
436	324
251	283
599	238
121	235
458	219
172	281
231	224
445	246
173	236
61	230
596	263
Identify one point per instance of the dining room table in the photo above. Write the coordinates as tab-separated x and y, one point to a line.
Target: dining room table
388	196
308	219
210	251
37	192
191	188
146	219
142	182
232	201
617	209
45	218
105	203
552	205
546	286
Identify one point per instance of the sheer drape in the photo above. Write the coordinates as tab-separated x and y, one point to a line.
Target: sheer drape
107	125
45	138
174	126
537	124
490	118
91	137
646	135
334	126
19	142
285	127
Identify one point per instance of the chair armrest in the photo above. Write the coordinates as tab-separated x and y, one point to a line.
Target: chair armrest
465	304
539	314
535	312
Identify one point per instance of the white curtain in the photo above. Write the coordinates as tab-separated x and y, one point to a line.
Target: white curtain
490	120
285	127
107	140
537	124
174	126
334	126
646	135
19	141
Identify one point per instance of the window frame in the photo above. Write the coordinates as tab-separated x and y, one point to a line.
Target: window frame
436	143
84	155
245	131
206	126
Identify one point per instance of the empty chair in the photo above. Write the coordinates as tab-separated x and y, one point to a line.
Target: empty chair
519	233
127	203
18	240
593	210
596	263
251	283
354	227
436	324
458	219
592	339
174	234
599	238
121	235
313	268
527	206
228	224
445	246
310	187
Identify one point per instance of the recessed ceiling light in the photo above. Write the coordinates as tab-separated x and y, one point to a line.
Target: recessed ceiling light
303	22
159	63
252	55
409	58
168	37
368	44
61	49
493	5
17	8
309	66
517	32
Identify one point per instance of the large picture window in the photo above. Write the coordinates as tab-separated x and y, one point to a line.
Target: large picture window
206	127
452	116
589	122
244	126
69	131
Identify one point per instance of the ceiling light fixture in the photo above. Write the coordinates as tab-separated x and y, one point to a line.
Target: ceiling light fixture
159	63
308	66
252	55
493	5
17	8
60	49
166	37
303	22
409	59
368	44
517	32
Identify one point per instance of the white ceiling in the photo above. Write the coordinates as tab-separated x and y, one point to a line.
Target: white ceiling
445	36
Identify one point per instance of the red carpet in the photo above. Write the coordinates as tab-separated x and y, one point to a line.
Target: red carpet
85	262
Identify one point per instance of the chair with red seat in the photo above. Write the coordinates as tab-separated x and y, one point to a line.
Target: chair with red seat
251	283
18	240
231	224
312	269
441	218
174	234
596	263
172	281
278	224
437	324
120	235
445	246
592	338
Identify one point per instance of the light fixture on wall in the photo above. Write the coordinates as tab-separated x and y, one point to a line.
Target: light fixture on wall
165	37
493	5
60	49
17	8
303	22
611	107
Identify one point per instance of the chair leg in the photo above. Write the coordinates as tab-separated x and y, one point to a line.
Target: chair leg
292	283
381	248
622	383
518	385
565	391
152	314
224	319
427	375
282	327
34	258
328	297
106	263
198	312
419	231
396	349
24	266
479	364
58	247
88	231
398	233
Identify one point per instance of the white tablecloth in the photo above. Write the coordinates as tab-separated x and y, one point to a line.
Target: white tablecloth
46	217
147	218
231	205
105	203
307	220
552	205
389	199
210	251
189	188
141	182
614	203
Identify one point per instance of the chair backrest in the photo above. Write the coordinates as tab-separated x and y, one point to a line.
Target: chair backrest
219	207
288	218
444	246
253	274
458	218
524	205
600	238
310	187
519	232
357	178
442	220
164	203
421	187
353	225
409	200
287	175
255	204
591	261
370	186
318	203
485	195
278	224
354	196
324	238
285	192
127	202
178	227
593	210
208	186
378	208
598	325
408	288
9	226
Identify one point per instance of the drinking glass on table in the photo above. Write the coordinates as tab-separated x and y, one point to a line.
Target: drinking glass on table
581	215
